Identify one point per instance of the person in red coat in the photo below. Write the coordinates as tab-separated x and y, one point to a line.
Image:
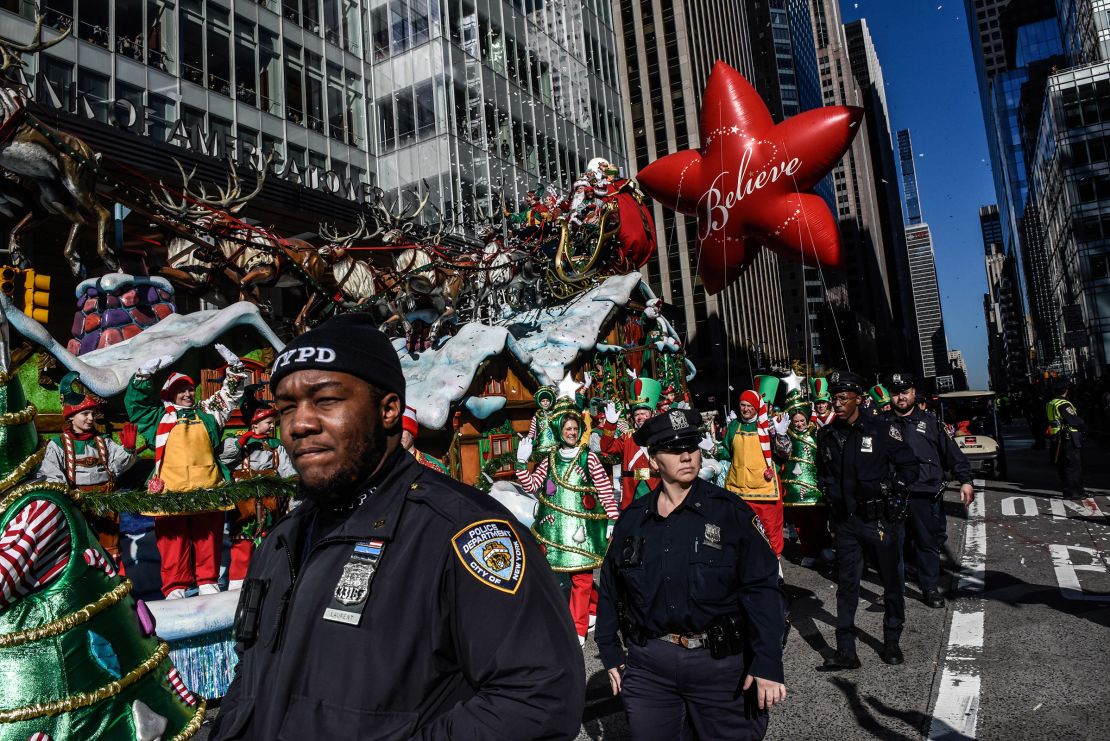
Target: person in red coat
637	478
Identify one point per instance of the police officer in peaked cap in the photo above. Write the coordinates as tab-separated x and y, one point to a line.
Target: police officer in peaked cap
865	470
936	454
690	587
395	603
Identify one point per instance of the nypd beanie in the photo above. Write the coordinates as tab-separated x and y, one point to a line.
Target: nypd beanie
348	343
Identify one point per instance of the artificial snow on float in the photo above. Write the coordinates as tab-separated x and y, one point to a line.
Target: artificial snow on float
548	341
107	371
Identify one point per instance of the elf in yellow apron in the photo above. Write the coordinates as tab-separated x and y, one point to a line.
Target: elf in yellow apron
186	436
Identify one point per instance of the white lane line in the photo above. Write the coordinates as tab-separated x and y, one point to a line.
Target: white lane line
956	711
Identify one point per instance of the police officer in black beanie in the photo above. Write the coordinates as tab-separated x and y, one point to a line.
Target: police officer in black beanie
692	585
864	468
395	602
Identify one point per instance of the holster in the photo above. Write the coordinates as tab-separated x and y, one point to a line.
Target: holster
725	636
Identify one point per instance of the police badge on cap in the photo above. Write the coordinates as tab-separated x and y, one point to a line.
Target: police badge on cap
676	430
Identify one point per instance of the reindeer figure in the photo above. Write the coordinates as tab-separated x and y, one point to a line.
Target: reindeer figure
356	280
58	169
424	288
247	257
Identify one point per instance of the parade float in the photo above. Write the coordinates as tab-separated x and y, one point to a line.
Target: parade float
485	315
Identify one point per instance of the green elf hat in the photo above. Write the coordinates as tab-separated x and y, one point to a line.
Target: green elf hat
796	402
768	388
645	394
819	389
19	441
879	394
545	392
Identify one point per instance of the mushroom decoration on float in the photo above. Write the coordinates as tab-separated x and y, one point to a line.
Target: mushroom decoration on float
747	185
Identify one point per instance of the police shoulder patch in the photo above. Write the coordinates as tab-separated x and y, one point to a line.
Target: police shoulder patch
492	553
758	525
895	432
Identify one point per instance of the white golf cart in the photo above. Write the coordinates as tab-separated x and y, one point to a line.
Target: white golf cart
972	416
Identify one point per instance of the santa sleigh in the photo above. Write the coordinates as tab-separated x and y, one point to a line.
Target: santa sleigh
618	237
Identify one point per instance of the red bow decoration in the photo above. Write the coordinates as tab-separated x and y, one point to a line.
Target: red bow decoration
747	184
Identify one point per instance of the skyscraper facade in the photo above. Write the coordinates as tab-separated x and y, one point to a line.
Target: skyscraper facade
931	338
1037	64
666	52
868	74
859	296
463	101
1070	184
1007	361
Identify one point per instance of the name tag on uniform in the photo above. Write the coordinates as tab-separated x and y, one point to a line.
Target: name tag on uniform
353	589
865	445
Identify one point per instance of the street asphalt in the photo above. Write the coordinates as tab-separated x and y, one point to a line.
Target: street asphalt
1019	652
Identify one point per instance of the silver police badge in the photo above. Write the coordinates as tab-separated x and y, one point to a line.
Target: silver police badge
897	378
354	584
678	420
895	433
835	377
713	535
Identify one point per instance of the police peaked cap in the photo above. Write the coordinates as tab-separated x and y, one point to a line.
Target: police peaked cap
349	343
900	382
846	381
677	429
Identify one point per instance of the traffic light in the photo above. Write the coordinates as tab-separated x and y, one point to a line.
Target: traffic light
36	296
7	280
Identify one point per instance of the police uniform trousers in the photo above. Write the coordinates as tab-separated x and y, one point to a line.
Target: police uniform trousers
926	530
668	690
1069	466
853	538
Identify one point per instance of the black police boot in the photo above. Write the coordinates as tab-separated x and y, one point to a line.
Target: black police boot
842	660
892	653
934	599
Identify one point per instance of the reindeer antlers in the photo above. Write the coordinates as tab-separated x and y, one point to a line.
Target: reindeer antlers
10	51
362	231
229	197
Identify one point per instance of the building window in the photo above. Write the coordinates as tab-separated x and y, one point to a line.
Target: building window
501	445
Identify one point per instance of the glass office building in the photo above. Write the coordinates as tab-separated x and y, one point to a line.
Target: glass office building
467	98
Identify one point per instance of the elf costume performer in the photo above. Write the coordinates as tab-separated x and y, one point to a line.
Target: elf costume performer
751	473
87	461
881	398
616	439
540	430
576	508
804	502
410	429
78	652
256	452
186	436
822	402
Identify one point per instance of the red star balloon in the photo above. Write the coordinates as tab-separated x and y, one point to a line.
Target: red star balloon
747	186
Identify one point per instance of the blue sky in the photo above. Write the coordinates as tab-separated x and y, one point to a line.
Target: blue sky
925	53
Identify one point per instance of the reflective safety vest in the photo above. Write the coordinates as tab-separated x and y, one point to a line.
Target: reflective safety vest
1053	410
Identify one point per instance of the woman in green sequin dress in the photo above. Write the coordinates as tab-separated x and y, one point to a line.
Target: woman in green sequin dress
803	500
576	506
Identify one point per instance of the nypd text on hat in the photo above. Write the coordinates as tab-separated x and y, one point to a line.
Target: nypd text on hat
304	355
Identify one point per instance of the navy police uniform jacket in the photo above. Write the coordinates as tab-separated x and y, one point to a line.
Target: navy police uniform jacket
709	558
465	633
936	452
855	459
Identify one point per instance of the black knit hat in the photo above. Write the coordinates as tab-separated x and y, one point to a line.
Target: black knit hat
348	343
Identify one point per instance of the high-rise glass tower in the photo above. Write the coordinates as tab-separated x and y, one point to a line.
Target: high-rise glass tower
932	341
